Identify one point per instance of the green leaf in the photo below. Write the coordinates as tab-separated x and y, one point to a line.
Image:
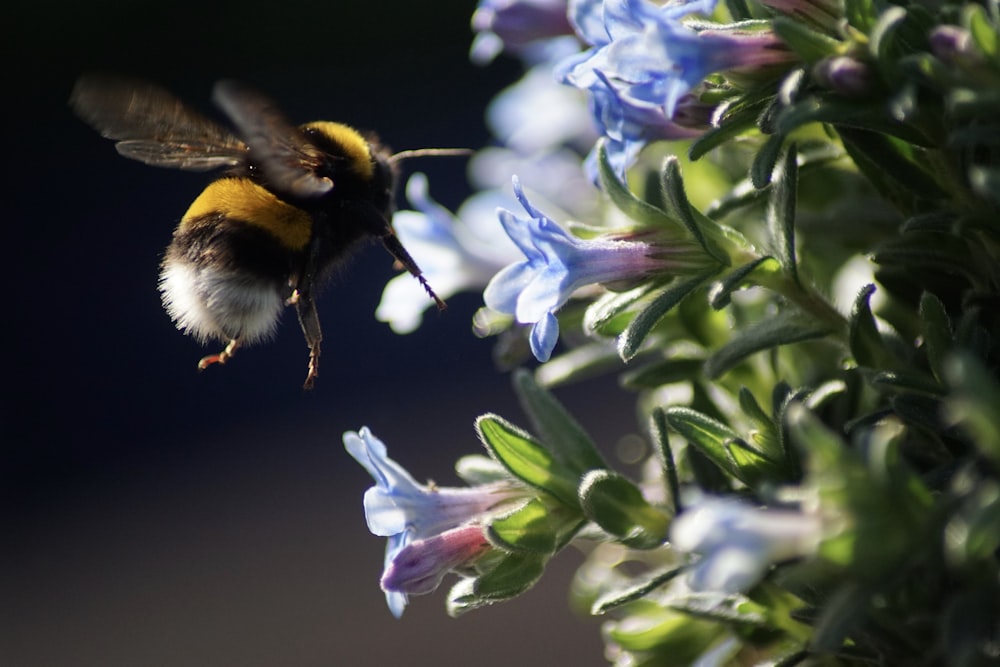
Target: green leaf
764	161
767	437
673	191
661	372
810	45
623	199
783	329
649	583
536	527
781	213
617	506
721	293
567	440
860	14
513	575
526	459
850	115
609	314
889	169
632	338
661	441
935	327
982	31
865	341
739	117
723	447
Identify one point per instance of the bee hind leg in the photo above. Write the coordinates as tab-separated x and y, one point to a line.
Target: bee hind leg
309	320
221	357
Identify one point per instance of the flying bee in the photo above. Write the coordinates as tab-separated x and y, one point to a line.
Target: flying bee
289	207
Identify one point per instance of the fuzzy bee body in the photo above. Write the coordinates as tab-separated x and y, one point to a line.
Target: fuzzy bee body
293	203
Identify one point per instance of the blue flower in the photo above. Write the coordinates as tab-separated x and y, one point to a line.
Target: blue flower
628	127
739	542
556	265
404	511
455	254
643	60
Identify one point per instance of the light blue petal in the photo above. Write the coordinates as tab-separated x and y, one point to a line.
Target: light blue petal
543	337
544	294
502	291
383	514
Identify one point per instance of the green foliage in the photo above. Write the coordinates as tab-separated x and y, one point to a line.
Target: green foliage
822	353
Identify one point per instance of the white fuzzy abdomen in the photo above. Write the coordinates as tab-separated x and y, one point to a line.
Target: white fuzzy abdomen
209	303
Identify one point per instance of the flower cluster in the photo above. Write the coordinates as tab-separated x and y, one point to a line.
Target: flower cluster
693	186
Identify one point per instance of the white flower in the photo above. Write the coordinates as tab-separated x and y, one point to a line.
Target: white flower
739	542
455	254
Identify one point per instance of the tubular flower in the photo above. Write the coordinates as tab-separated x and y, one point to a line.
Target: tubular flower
643	60
404	511
456	254
556	264
739	542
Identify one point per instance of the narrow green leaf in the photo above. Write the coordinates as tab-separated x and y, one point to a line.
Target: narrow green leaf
781	212
764	161
766	436
738	118
783	329
672	184
848	115
567	440
936	331
865	341
650	583
536	527
626	202
710	437
632	338
661	440
618	507
982	31
609	314
661	372
810	45
897	177
526	459
721	293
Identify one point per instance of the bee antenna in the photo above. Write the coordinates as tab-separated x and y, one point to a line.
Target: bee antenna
428	152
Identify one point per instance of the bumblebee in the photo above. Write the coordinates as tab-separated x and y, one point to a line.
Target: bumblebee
290	206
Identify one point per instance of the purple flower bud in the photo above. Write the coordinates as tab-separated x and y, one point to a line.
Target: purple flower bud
844	74
419	567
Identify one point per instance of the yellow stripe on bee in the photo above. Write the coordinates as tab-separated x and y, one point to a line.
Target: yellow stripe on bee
242	199
355	146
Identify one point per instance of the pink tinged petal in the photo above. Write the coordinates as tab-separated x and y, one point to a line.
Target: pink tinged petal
421	565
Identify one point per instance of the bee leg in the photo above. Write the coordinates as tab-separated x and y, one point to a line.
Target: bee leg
221	357
309	320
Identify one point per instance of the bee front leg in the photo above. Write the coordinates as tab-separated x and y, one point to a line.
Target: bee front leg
221	357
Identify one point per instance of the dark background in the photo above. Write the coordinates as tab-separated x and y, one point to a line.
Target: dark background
153	515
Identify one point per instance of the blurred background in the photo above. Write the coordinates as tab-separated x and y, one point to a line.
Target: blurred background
153	515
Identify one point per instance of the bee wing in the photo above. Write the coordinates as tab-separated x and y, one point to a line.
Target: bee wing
288	160
152	126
